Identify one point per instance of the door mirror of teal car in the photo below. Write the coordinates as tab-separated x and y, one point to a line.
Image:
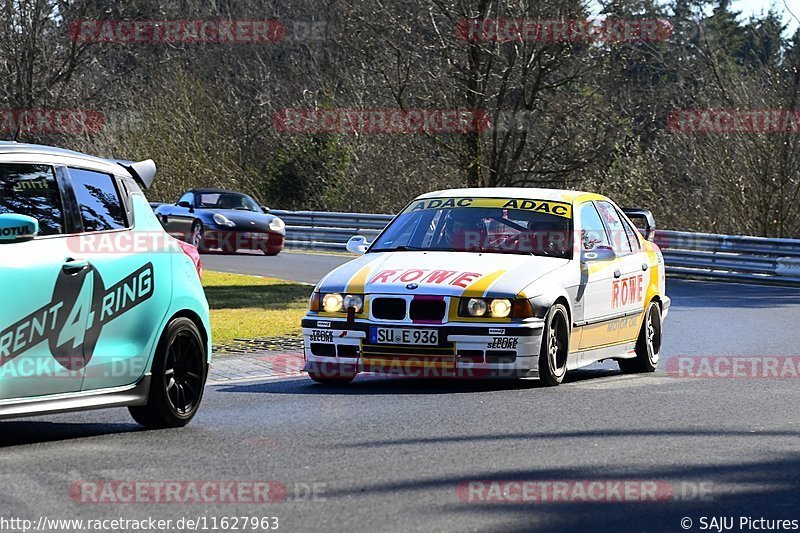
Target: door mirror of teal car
185	204
17	228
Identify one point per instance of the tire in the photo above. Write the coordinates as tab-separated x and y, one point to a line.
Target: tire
555	347
196	235
178	377
271	253
648	345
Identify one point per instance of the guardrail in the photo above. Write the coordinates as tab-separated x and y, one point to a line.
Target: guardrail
693	255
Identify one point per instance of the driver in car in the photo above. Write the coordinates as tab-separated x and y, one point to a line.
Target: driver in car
463	231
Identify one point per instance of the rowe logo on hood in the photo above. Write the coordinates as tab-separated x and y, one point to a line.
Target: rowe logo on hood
424	275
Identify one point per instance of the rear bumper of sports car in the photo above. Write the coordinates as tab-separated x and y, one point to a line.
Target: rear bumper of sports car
474	350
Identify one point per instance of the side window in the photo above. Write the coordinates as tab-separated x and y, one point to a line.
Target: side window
633	239
32	190
619	237
99	201
188	197
593	233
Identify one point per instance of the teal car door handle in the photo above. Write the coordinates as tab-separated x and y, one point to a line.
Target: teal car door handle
72	266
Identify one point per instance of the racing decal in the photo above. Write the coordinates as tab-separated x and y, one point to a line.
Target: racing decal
321	335
31	185
503	343
627	291
561	209
426	275
71	323
623	323
16	231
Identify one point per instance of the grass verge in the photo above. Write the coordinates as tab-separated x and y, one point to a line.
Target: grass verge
249	307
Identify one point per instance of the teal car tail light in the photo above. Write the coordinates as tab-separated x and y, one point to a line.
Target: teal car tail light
194	255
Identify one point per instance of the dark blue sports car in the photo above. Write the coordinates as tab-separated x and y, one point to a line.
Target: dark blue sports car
224	220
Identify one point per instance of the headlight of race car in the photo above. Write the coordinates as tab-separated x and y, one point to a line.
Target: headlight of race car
277	225
222	220
476	307
355	301
500	307
334	302
495	308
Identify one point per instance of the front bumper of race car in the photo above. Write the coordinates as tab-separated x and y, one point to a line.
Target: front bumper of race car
335	347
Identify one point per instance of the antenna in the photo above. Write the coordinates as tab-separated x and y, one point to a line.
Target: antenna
17	131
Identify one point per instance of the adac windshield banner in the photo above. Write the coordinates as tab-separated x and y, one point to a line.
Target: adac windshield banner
561	209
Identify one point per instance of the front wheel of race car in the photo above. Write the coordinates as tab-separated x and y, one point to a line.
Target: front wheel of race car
178	378
648	346
555	347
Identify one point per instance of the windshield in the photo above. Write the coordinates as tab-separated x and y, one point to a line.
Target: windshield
491	225
226	200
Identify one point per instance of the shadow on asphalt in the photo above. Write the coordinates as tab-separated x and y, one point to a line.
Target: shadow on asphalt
375	385
686	293
16	433
756	489
573	436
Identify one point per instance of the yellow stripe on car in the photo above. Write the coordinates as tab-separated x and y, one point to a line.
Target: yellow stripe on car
358	281
479	288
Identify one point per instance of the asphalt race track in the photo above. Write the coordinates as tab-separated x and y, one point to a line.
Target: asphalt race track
292	266
392	454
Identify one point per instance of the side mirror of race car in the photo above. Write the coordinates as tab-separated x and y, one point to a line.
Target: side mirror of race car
599	253
16	228
357	245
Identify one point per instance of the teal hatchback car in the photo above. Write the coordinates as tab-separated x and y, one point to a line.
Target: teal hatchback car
99	307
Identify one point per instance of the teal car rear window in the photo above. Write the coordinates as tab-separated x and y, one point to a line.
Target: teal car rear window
32	190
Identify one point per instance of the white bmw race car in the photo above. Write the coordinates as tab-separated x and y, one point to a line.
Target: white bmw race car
494	282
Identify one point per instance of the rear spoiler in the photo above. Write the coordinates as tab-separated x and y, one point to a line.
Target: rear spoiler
144	171
643	220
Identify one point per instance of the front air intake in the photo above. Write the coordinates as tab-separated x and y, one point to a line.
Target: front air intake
389	308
